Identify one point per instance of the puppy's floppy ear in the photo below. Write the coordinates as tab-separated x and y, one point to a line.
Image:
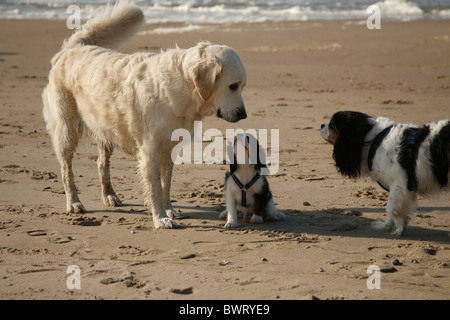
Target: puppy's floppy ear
205	72
347	152
262	158
257	155
233	166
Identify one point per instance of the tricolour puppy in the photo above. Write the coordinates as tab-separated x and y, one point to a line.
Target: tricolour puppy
246	190
403	158
134	102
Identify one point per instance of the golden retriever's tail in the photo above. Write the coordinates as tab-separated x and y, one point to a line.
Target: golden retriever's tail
112	28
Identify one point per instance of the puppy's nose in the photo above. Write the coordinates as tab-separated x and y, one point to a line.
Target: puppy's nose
242	114
322	125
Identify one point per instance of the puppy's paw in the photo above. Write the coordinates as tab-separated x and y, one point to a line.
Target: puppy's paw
76	207
275	216
164	223
256	219
111	200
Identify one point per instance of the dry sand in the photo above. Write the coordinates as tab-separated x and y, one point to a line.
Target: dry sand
299	74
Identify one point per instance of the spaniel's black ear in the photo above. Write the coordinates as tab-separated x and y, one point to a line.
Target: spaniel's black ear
347	153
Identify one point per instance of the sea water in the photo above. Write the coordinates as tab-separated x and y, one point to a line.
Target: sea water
198	12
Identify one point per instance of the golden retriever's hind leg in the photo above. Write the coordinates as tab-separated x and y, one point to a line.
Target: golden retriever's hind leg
109	197
65	127
65	140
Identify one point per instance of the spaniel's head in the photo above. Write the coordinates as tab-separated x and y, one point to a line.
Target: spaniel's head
346	131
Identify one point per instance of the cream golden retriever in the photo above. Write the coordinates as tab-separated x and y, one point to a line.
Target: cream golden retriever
133	102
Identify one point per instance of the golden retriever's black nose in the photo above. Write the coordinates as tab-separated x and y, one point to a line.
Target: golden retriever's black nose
242	114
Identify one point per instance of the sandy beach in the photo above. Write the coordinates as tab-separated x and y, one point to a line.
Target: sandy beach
299	74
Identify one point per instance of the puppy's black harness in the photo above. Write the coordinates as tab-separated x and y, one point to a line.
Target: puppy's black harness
244	188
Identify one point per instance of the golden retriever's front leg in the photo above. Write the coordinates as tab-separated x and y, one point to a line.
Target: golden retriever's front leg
150	171
166	175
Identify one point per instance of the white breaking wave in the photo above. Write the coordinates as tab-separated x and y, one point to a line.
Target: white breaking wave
399	9
195	12
163	30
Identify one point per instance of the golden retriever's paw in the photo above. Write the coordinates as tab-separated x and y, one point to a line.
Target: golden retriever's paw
223	214
383	226
230	225
173	214
164	223
398	232
76	207
111	200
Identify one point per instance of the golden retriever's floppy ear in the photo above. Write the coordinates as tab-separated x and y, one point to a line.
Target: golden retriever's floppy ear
205	72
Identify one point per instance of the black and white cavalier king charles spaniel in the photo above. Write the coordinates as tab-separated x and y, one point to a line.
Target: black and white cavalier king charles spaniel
246	189
404	159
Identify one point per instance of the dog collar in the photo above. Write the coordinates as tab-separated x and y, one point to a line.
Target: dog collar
244	188
376	143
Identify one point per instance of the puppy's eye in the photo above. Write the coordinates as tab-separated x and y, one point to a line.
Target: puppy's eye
331	125
234	86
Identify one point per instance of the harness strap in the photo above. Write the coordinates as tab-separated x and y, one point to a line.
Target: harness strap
376	143
244	188
411	141
383	187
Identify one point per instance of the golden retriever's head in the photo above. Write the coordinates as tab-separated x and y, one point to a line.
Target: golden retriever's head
219	76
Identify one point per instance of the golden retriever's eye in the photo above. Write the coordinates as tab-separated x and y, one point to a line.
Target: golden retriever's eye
234	86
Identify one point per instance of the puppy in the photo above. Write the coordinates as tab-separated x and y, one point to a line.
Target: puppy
404	159
133	102
246	189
